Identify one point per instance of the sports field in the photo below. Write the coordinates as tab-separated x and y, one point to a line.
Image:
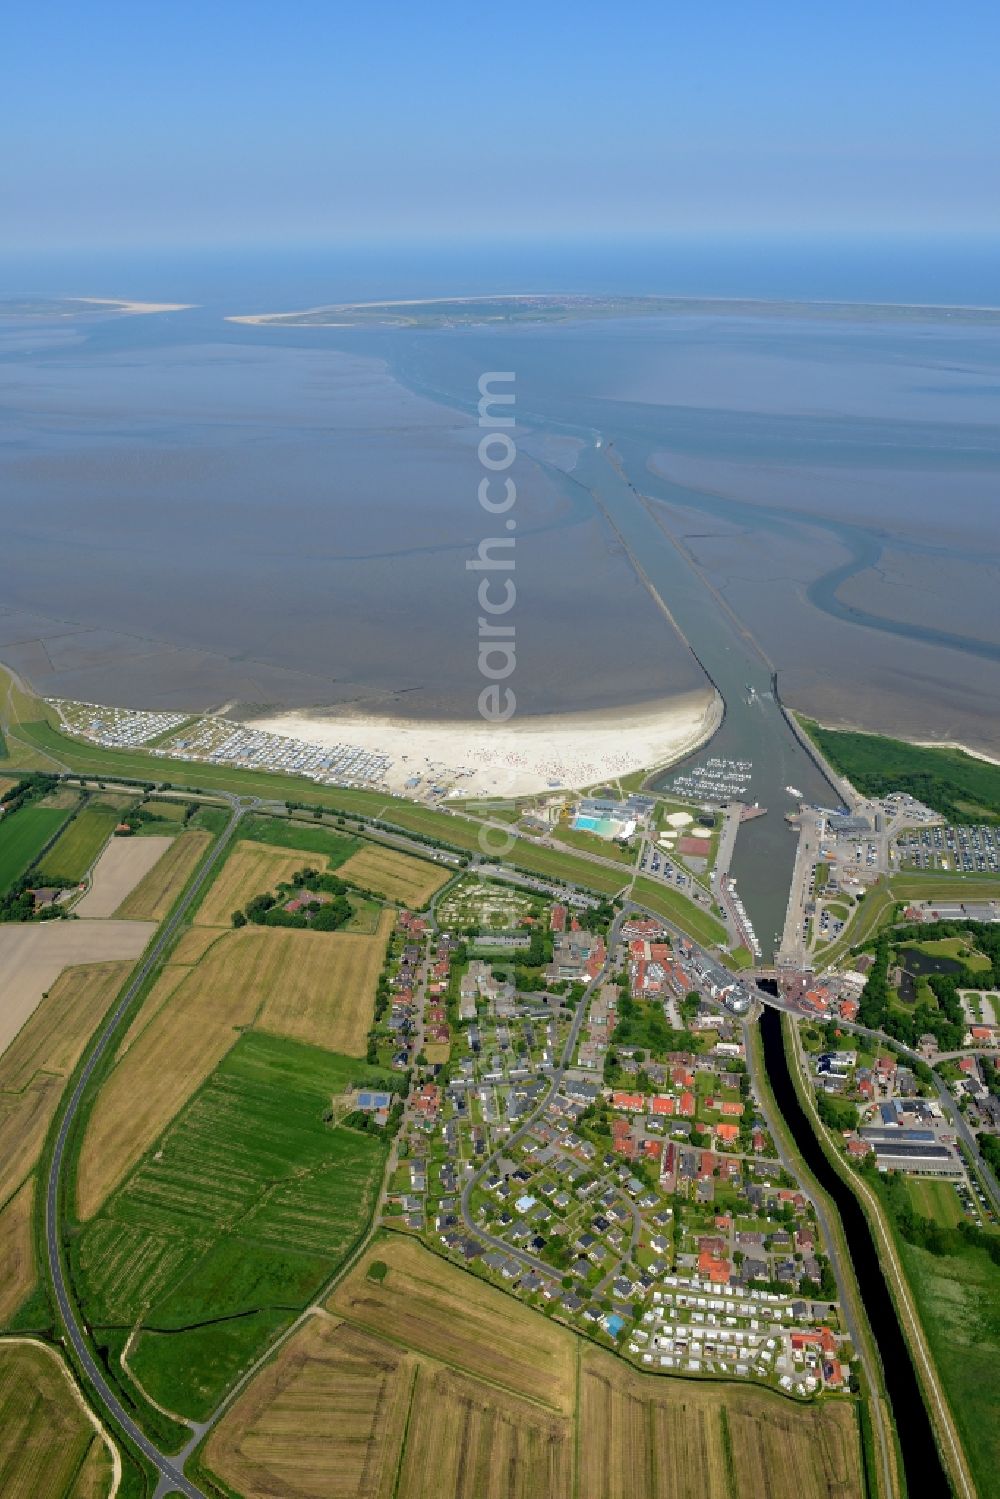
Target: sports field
23	835
77	846
400	877
250	869
154	895
49	1446
438	1310
247	1205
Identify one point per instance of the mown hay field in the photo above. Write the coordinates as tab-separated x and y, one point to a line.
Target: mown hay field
77	846
221	1234
34	1068
117	872
324	1420
469	1440
193	944
250	869
156	892
667	1438
397	876
436	1309
192	1024
16	1251
316	987
320	986
34	954
49	1447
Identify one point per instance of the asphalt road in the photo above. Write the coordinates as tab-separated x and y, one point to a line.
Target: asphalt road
171	1477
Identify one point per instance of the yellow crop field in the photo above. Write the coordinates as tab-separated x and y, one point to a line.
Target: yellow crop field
49	1447
169	1056
467	1439
400	877
436	1309
194	944
319	986
156	892
35	1066
250	869
16	1251
814	1452
665	1437
324	1420
165	984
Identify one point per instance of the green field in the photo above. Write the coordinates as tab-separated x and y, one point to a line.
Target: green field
698	923
961	788
958	1298
23	835
222	1233
935	1199
959	948
76	848
311	838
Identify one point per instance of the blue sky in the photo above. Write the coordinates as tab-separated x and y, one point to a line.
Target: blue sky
233	121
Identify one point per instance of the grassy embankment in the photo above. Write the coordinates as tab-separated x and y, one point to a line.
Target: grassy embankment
701	924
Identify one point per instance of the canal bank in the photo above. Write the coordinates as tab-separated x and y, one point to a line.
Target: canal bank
874	1271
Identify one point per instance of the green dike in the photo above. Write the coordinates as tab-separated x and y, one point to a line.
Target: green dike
698	923
458	832
225	1230
960	787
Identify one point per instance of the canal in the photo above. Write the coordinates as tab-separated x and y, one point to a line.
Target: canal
921	1461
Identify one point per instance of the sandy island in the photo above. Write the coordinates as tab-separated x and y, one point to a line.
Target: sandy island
113	304
524	756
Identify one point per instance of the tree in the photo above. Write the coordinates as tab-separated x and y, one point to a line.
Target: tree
239	919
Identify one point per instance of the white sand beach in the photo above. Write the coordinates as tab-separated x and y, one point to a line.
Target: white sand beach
523	756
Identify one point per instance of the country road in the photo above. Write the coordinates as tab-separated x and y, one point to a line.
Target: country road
171	1477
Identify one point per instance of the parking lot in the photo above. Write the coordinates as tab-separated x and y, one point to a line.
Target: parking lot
969	849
